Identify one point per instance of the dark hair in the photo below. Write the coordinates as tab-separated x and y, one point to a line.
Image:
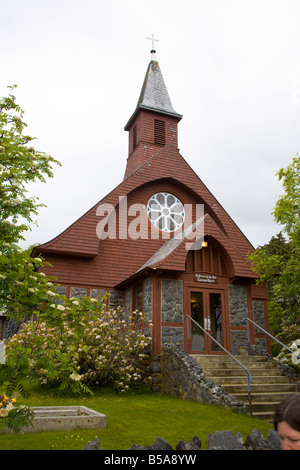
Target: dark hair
289	411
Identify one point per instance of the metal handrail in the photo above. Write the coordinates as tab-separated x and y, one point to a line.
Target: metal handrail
249	377
275	339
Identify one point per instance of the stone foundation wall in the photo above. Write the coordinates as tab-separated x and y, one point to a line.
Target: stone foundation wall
181	376
171	301
148	298
239	342
259	315
172	335
172	312
237	299
238	311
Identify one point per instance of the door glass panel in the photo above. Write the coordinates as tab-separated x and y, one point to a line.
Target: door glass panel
215	305
197	314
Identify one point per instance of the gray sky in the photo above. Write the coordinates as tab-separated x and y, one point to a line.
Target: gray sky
232	68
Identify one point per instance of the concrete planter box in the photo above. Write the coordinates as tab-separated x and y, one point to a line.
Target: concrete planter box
63	418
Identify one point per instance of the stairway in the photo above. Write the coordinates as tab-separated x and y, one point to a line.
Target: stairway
268	386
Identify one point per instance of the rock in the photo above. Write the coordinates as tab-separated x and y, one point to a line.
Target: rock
155	367
224	440
137	447
221	440
273	440
161	444
256	441
93	445
194	444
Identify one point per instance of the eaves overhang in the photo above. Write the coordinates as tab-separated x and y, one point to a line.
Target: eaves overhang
155	110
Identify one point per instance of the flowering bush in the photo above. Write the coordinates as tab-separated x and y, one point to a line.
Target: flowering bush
292	359
82	344
12	416
289	333
22	288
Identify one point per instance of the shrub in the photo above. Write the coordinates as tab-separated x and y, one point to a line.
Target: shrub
82	344
292	359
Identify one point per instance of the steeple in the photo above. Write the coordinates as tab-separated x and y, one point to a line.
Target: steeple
154	94
154	121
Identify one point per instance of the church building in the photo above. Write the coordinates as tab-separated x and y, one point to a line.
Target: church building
161	243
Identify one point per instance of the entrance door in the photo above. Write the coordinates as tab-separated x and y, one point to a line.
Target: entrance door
206	308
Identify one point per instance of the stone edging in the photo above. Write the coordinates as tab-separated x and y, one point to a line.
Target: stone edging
221	440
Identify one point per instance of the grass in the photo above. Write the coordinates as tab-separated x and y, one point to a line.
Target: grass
137	417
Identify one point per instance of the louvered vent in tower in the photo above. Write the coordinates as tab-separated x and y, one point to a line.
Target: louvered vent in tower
159	132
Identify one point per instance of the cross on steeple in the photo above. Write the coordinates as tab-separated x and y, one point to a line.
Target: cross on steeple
153	39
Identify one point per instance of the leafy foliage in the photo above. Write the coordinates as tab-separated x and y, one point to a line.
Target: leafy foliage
83	344
12	416
278	262
74	344
22	289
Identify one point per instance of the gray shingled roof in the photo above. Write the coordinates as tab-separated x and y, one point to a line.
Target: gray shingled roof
154	94
167	248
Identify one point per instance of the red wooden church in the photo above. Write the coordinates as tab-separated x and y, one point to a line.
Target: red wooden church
160	242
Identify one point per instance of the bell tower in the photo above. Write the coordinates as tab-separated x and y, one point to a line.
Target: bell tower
153	125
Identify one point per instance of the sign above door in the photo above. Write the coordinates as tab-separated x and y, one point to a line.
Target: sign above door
208	278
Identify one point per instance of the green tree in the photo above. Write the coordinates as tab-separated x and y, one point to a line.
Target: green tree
22	288
278	262
74	343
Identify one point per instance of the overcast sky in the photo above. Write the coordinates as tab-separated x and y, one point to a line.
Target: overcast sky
232	69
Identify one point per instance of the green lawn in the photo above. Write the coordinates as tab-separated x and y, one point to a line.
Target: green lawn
133	418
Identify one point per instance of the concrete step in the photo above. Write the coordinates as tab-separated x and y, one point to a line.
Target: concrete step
226	362
263	405
232	389
237	372
258	397
268	387
226	358
242	380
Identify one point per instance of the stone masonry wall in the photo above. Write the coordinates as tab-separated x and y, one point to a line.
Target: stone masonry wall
238	311
148	298
171	300
183	377
172	311
237	304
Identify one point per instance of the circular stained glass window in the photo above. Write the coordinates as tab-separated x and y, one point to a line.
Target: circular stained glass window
166	212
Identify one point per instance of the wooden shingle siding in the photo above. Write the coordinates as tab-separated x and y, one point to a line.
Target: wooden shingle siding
154	165
110	261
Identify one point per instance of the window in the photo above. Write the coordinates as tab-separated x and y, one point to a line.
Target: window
159	132
165	212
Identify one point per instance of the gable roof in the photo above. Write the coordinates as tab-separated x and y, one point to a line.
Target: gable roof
80	239
172	255
111	261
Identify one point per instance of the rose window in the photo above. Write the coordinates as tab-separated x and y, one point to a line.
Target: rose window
165	212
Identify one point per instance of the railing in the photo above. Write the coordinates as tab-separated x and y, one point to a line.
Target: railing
249	378
275	339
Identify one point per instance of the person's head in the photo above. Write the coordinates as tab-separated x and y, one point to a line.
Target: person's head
287	422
